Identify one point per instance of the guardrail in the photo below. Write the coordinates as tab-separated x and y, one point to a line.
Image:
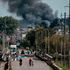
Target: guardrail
56	67
49	61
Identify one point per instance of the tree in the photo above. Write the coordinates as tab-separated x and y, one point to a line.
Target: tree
8	26
0	41
1	24
31	37
43	24
54	23
24	44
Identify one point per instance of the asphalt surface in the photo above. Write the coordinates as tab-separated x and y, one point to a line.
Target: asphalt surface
38	65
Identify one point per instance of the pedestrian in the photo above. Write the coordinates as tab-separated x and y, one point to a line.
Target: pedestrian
6	66
20	62
7	59
0	64
10	67
31	62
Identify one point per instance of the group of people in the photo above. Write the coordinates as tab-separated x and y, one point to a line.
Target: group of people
7	65
30	62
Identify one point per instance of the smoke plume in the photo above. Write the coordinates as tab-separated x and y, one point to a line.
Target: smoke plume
32	11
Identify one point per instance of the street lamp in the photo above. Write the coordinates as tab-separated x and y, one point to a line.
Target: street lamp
61	42
69	31
4	31
64	44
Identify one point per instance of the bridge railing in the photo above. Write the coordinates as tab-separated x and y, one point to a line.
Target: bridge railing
49	60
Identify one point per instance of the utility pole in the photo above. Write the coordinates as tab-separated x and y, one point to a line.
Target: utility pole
3	39
61	38
64	44
36	40
48	42
69	19
69	33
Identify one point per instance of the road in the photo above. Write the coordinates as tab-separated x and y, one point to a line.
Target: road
38	65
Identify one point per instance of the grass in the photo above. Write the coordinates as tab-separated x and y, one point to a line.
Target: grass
64	67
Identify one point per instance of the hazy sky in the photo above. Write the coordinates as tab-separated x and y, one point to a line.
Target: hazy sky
54	4
58	5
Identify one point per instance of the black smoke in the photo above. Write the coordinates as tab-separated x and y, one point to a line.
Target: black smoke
32	11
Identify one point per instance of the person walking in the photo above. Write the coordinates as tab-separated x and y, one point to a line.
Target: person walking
20	62
10	67
31	62
6	66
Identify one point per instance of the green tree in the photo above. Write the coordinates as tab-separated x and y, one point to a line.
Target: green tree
24	44
8	25
54	23
31	38
0	41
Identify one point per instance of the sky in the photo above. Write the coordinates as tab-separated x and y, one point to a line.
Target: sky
56	5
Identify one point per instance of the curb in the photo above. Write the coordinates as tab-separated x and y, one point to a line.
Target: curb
57	67
50	63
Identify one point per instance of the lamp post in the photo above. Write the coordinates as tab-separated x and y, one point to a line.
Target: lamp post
61	38
4	30
3	39
69	31
64	44
47	45
48	41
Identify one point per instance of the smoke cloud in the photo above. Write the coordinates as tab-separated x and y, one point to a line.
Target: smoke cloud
32	11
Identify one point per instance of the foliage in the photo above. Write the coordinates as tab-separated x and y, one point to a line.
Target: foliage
43	24
64	67
0	40
8	25
54	23
31	37
57	41
24	44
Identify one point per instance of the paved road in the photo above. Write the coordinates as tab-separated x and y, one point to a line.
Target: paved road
38	65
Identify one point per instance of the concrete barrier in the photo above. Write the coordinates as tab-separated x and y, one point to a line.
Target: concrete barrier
56	67
50	63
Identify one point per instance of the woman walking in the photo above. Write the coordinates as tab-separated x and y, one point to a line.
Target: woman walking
31	62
